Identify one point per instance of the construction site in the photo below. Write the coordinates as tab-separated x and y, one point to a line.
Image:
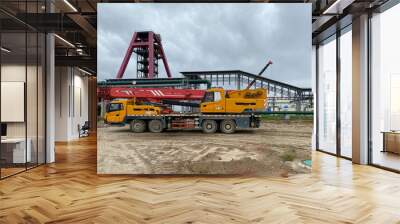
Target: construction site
200	122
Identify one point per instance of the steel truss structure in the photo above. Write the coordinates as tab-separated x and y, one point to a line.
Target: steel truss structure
148	49
281	95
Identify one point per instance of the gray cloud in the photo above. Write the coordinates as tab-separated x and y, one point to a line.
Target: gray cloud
212	37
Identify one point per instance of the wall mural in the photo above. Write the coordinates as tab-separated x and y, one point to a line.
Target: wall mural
196	89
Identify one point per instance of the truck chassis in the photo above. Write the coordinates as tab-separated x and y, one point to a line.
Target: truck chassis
208	123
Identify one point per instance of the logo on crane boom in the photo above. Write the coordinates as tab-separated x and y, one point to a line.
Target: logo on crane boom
126	92
157	92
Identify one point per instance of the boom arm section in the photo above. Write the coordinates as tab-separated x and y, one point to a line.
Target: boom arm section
259	74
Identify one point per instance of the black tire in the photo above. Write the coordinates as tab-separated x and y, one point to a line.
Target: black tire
209	126
138	126
155	126
228	126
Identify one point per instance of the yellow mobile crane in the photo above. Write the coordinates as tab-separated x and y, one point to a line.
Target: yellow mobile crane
220	109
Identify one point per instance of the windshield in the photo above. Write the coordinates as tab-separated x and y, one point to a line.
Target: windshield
212	97
208	97
114	107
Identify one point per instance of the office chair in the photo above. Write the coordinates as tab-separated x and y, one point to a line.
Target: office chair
84	130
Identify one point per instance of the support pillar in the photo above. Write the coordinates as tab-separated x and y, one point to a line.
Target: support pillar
50	92
50	99
360	89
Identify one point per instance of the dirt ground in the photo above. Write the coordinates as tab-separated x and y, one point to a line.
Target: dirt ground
277	148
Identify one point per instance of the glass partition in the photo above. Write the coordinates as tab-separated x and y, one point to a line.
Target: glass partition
14	153
327	95
346	93
22	77
385	89
31	96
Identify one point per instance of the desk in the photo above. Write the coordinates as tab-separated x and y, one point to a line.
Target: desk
391	141
13	150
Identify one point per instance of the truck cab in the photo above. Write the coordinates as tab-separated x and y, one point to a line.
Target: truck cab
213	101
117	111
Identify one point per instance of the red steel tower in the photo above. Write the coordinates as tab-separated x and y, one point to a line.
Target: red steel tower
148	48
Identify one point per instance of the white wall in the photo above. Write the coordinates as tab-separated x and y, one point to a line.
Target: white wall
12	73
17	73
33	126
62	82
80	110
71	102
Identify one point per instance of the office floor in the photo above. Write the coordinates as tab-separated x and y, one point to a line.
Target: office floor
10	171
386	159
70	191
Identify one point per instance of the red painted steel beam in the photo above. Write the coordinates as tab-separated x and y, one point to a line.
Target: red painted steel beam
165	62
152	93
127	57
151	55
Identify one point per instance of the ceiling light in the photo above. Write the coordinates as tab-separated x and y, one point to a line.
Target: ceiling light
337	7
84	71
79	51
65	41
70	5
5	50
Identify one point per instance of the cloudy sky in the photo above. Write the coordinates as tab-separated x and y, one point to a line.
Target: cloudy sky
198	37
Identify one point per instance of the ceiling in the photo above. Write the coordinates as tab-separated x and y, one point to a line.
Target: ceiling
75	22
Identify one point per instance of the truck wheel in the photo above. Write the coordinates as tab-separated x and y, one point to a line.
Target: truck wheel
209	126
138	126
228	126
155	126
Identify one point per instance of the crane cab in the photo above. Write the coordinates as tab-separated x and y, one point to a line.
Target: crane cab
217	100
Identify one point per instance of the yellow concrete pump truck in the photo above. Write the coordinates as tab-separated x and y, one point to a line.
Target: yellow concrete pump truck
219	110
